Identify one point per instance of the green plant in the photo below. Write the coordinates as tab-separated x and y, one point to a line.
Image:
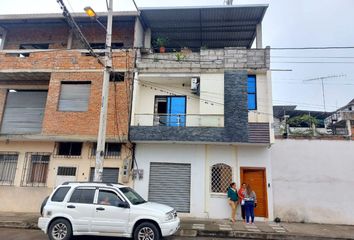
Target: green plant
161	41
179	56
304	120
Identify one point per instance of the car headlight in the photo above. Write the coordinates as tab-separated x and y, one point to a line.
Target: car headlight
170	215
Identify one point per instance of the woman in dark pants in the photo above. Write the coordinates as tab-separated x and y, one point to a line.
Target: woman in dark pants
250	203
241	196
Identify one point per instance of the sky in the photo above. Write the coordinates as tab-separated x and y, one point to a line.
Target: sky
287	24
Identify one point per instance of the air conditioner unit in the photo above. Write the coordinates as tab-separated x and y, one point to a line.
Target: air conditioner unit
195	83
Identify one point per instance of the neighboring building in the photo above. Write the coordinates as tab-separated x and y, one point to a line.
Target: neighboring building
50	96
342	120
282	127
201	116
312	175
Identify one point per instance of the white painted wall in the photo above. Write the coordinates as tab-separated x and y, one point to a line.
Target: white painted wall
313	181
138	34
202	158
174	153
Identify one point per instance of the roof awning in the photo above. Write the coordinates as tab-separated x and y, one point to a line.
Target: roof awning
211	27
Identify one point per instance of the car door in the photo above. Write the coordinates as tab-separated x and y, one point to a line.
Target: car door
110	217
81	208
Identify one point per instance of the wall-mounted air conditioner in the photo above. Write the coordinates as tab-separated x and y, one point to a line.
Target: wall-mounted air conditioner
195	85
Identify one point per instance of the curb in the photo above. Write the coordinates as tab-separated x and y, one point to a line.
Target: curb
252	235
205	233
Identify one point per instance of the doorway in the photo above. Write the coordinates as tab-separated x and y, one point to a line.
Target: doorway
256	177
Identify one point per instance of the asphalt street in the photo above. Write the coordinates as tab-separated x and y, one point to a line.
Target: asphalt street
23	234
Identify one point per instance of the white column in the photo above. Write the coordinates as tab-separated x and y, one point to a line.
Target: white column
349	128
147	40
259	36
3	34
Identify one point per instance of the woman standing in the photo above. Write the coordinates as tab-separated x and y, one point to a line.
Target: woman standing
233	199
250	203
241	196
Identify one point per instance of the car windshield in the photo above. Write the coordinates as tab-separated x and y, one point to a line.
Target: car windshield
133	196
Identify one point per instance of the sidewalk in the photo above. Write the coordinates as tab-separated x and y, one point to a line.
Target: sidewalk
191	227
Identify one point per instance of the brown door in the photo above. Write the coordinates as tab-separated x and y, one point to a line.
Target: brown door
256	177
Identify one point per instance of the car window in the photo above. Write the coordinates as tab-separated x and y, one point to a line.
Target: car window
82	196
106	197
133	196
60	194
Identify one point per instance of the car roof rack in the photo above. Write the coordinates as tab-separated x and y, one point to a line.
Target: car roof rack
107	183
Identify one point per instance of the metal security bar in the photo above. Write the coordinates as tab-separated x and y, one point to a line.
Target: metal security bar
8	166
221	177
112	150
35	170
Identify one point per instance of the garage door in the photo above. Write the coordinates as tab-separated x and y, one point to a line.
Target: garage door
109	175
170	184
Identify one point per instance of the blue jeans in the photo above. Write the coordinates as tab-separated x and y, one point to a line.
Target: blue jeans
249	209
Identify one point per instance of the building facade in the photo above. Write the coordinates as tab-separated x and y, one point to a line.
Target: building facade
50	97
202	111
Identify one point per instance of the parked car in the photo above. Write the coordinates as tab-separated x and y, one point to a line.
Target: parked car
104	209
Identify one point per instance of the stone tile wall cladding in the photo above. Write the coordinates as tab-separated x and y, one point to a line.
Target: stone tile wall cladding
207	60
236	127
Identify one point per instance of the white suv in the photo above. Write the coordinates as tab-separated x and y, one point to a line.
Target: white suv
104	209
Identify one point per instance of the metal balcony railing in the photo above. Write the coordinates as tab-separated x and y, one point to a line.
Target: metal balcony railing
179	120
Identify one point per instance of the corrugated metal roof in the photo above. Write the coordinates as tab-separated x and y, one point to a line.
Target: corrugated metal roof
214	27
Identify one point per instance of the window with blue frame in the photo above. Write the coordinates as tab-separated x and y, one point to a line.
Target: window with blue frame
170	111
252	92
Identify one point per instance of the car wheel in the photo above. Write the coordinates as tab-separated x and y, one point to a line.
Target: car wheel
60	229
146	231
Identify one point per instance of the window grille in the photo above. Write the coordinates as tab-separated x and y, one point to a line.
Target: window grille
35	170
68	149
66	171
8	166
221	177
112	150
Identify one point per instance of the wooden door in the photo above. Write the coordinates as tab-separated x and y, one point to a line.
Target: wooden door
256	177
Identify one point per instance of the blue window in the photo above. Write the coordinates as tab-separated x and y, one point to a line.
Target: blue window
170	111
252	92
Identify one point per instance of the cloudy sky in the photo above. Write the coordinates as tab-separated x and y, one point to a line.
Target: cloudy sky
288	23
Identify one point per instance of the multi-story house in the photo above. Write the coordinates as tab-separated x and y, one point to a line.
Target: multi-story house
50	97
202	111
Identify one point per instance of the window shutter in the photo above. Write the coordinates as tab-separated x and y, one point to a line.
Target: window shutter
74	97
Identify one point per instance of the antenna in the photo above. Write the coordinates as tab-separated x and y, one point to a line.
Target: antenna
228	2
323	89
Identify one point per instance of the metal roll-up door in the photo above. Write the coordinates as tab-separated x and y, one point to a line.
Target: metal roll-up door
109	175
24	112
74	96
170	184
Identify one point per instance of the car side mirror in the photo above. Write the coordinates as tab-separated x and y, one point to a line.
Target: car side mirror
123	205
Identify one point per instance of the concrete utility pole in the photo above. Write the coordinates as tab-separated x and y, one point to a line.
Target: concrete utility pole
228	2
101	139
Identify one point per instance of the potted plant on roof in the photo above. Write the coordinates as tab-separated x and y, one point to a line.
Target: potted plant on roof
161	43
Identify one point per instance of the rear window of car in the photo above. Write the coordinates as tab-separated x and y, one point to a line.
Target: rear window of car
60	194
83	196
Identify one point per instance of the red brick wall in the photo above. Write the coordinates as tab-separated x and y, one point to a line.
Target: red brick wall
86	123
57	35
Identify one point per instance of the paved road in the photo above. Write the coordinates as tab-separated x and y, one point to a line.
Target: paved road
22	234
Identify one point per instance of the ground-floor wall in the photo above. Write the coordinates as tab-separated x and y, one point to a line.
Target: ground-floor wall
26	192
313	180
208	163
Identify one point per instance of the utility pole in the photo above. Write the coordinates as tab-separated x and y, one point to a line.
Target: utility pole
101	139
228	2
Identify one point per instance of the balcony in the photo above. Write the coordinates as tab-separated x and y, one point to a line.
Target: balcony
179	120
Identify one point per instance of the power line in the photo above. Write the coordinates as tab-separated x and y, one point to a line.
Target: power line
312	48
73	25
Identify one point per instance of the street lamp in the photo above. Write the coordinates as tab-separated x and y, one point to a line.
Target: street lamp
101	138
